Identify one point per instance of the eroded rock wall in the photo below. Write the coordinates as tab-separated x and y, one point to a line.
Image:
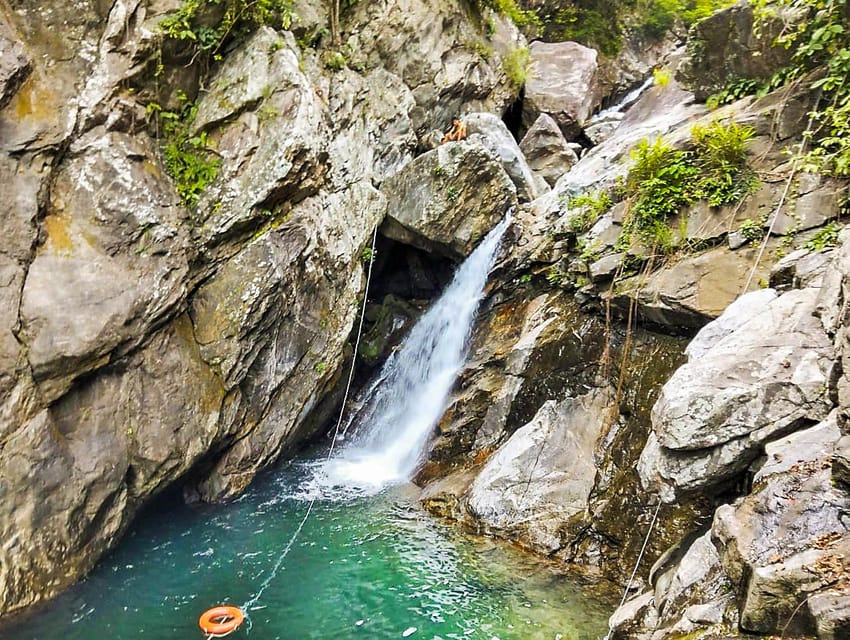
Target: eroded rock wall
144	340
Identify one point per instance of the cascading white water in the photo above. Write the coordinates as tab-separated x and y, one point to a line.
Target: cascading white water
629	99
400	411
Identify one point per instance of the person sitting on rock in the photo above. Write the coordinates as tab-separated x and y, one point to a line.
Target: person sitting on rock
456	134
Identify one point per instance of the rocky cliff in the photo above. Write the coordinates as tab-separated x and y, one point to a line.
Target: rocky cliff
189	222
149	338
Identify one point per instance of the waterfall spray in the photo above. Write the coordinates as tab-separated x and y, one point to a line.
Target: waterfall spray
398	417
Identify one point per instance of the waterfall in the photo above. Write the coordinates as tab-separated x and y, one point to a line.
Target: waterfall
629	99
399	411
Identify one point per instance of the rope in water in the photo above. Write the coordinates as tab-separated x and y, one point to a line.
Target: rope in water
637	564
265	584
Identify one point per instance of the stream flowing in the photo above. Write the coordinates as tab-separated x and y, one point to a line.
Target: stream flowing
368	563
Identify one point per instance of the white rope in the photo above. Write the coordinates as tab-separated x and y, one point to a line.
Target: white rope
772	223
250	603
794	163
637	564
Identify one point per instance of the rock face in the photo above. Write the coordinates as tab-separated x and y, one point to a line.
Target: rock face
145	340
562	84
543	474
14	65
546	149
447	199
766	377
725	47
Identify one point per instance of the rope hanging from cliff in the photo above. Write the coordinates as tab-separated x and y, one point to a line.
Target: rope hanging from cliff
279	563
637	563
793	172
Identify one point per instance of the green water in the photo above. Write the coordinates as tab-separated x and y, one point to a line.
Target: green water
365	567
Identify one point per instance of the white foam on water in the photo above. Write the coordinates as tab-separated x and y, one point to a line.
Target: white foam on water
398	414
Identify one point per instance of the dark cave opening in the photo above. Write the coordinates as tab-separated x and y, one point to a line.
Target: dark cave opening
405	281
512	116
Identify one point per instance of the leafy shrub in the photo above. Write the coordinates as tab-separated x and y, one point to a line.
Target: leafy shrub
239	16
826	237
188	157
659	16
594	25
752	229
821	39
587	207
721	158
516	64
663	180
510	8
333	60
661	183
661	77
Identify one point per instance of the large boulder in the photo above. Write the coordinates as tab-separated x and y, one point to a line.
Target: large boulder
766	378
546	149
788	538
543	475
491	132
448	198
726	47
691	291
561	83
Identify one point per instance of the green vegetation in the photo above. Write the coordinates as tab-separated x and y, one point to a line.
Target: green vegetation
742	87
663	180
720	155
190	22
516	64
603	23
661	77
660	16
189	158
826	237
556	277
334	60
510	8
660	183
587	207
367	255
820	40
752	229
591	23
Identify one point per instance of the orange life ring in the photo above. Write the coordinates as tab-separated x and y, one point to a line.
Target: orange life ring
219	621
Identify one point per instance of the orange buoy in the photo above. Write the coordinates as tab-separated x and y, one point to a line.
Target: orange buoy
219	621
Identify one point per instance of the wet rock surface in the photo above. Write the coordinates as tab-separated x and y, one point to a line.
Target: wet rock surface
146	340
